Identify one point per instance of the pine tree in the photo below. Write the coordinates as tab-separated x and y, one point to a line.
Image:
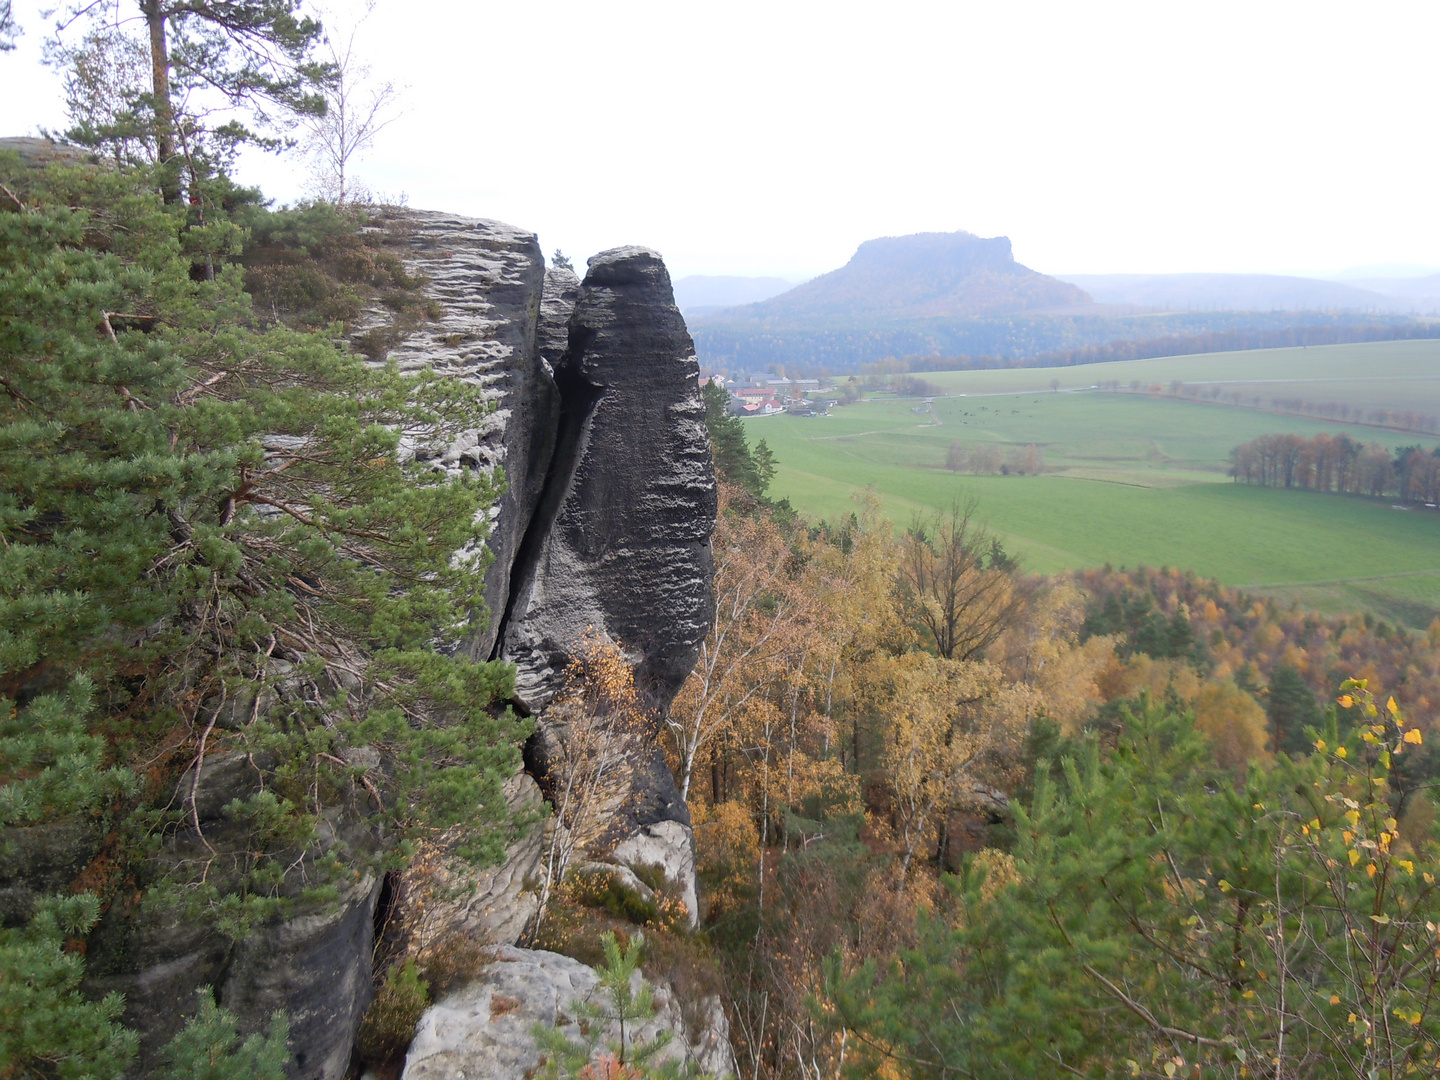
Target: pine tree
197	514
733	459
47	1028
248	63
626	999
1290	704
209	1048
1159	922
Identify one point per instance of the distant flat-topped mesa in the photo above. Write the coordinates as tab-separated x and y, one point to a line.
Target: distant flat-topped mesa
925	275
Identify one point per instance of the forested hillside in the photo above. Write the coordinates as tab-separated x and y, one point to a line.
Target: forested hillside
408	670
963	821
733	340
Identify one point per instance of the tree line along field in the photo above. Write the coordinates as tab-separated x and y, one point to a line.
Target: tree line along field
1394	375
1131	479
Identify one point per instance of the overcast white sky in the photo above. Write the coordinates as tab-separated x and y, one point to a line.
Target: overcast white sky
772	137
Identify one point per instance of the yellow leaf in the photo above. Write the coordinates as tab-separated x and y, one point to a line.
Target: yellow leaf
1248	994
1334	999
1413	736
1407	864
1394	709
1224	885
1372	869
1353	816
1320	745
1347	836
1354	857
1346	701
1340	752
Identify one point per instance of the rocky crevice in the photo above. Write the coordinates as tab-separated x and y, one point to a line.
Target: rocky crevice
578	398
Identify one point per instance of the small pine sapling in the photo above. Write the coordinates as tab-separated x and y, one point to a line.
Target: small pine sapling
626	999
206	1048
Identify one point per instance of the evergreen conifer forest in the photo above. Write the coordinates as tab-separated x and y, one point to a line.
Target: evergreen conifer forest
952	817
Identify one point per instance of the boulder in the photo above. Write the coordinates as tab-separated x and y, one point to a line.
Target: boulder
483	1031
669	845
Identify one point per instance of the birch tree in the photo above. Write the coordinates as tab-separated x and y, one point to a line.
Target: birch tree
357	108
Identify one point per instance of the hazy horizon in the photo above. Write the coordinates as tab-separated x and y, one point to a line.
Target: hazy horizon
756	140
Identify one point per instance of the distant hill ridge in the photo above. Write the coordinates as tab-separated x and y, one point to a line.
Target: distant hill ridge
1258	292
921	276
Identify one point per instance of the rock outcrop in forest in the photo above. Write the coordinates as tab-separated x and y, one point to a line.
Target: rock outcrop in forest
604	527
602	532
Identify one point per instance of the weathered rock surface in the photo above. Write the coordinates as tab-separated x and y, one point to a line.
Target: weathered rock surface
42	860
669	845
444	898
36	152
483	1031
623	536
486	279
557	304
313	964
599	425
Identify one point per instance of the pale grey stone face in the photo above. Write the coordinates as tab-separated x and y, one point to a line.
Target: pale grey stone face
483	1030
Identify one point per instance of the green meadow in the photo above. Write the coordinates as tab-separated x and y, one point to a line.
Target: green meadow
1131	479
1401	375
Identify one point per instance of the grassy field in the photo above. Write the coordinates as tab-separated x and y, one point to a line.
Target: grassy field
1401	375
1130	479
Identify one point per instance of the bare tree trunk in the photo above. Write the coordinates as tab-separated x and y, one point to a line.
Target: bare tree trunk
154	14
764	827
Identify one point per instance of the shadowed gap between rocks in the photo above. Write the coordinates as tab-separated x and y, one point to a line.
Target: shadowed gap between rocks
578	398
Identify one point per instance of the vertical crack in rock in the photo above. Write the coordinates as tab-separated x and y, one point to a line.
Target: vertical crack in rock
575	399
621	543
605	523
578	398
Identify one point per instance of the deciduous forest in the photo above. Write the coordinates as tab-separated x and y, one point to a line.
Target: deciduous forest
1135	823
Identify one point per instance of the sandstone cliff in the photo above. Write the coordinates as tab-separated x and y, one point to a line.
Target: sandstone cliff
603	527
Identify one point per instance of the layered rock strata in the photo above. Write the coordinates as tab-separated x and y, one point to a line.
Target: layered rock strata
622	538
605	526
485	279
